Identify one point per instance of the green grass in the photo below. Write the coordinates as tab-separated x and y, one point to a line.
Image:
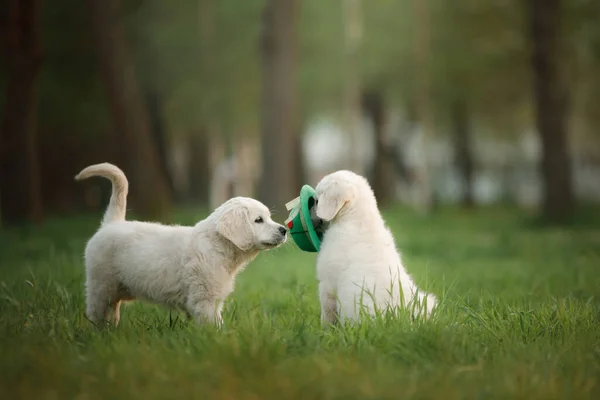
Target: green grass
519	319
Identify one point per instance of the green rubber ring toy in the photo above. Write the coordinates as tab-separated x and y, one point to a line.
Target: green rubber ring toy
299	222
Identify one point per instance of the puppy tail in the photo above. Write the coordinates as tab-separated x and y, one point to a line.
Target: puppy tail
120	186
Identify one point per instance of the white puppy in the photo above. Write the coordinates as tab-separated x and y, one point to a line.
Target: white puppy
358	266
192	268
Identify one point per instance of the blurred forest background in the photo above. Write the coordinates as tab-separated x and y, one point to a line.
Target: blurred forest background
435	101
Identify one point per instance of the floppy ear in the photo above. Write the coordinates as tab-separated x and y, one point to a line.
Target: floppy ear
235	226
333	197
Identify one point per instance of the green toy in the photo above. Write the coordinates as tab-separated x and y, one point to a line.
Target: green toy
299	222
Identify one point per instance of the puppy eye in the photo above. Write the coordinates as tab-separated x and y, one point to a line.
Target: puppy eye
259	220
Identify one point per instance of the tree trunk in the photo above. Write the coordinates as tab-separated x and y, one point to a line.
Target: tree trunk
149	191
299	167
382	176
463	151
199	167
551	103
154	100
20	193
422	50
278	102
352	88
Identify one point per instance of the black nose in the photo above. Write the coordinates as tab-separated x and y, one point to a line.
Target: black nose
282	230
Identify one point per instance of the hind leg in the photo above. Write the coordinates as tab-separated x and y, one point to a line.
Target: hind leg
356	300
115	311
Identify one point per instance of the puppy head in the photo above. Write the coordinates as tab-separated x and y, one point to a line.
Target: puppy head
336	192
248	225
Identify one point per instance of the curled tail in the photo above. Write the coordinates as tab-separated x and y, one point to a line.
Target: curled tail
120	186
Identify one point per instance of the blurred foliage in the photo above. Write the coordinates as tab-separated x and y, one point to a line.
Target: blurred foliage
479	52
168	45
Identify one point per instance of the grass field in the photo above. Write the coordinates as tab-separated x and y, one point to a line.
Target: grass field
519	319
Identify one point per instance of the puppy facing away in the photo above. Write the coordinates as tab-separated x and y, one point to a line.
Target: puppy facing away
358	267
192	268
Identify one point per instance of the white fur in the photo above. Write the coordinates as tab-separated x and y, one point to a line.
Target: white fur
358	265
192	268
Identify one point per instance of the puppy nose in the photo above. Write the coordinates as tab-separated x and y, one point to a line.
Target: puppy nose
282	230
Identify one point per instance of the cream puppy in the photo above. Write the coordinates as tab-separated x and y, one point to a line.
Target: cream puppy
358	266
192	268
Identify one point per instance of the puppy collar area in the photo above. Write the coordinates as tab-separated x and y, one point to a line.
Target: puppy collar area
299	222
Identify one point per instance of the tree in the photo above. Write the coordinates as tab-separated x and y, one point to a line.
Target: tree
155	105
19	173
463	148
352	92
422	47
551	105
382	175
278	102
478	49
149	190
199	167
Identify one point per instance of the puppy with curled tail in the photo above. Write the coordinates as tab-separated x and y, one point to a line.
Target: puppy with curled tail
359	268
192	268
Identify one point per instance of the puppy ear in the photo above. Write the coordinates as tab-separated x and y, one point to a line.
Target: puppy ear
235	226
333	197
